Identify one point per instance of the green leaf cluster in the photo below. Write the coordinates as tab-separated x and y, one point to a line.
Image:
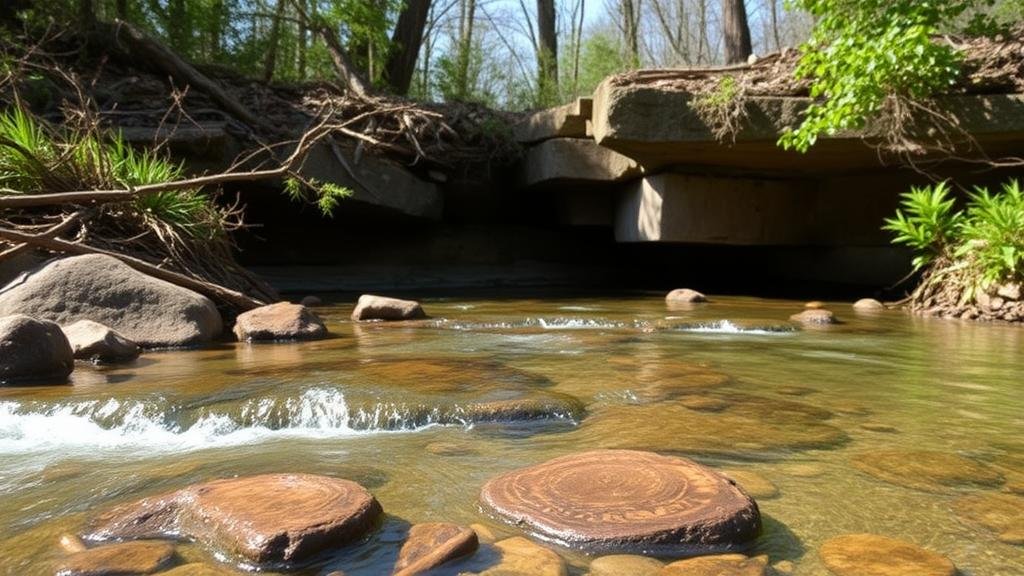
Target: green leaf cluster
986	236
862	52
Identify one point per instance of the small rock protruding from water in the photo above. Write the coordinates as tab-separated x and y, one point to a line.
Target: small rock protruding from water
625	565
71	543
643	501
33	350
432	544
124	559
814	317
861	554
719	565
281	321
1000	513
94	341
371	307
685	296
310	301
265	519
868	305
521	556
814	305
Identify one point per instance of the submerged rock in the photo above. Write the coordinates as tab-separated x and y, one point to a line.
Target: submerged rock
746	426
814	316
372	307
520	557
873	555
868	305
926	470
685	296
433	544
624	565
196	569
94	341
718	565
1000	513
270	518
148	311
32	349
281	321
124	559
625	501
753	483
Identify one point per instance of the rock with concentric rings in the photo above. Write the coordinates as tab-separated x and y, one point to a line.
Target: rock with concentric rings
265	519
626	501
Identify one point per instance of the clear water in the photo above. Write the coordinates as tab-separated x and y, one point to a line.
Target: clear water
403	409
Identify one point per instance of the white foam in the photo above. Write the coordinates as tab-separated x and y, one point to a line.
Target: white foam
728	327
133	425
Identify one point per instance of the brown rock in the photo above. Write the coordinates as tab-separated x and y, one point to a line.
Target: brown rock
926	470
125	559
281	321
720	565
814	316
71	543
703	403
483	533
623	501
685	296
868	305
879	427
520	557
33	350
814	305
431	545
93	341
784	567
624	565
1000	513
872	555
795	390
196	569
1010	291
262	519
753	483
372	307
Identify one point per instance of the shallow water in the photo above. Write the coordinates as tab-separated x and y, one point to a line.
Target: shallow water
409	410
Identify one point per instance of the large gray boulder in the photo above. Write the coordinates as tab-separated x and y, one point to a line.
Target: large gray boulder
33	349
147	311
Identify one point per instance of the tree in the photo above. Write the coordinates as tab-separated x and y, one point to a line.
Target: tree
736	31
547	51
406	41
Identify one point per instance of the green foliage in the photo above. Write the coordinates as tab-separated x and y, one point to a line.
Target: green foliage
864	51
926	222
35	159
601	55
986	238
325	195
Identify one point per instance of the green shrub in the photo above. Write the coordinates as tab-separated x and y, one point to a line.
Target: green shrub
983	242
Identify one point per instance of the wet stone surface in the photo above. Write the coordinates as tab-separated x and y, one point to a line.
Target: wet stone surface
926	470
873	555
125	559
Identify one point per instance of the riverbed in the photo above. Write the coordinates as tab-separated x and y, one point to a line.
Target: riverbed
423	413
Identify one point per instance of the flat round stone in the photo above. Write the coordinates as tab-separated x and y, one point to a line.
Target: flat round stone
626	501
124	559
873	555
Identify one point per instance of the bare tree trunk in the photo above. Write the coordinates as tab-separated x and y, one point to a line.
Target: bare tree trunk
270	62
406	41
576	51
774	13
466	25
735	31
630	13
347	71
547	51
303	46
177	27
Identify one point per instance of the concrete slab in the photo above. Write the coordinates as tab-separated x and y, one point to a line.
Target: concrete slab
568	121
570	160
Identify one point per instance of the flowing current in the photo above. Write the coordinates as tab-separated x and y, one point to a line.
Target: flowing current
423	414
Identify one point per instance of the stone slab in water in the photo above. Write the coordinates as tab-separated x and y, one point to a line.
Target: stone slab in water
1000	513
685	296
263	519
753	483
624	565
873	555
280	321
33	350
814	316
432	544
926	470
718	565
371	307
146	310
125	559
626	501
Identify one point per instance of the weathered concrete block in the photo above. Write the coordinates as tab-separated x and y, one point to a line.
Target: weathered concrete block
568	121
709	210
563	160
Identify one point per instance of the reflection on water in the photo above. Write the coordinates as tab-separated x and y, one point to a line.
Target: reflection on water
888	424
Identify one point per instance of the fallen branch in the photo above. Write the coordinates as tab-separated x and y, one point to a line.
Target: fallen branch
237	299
